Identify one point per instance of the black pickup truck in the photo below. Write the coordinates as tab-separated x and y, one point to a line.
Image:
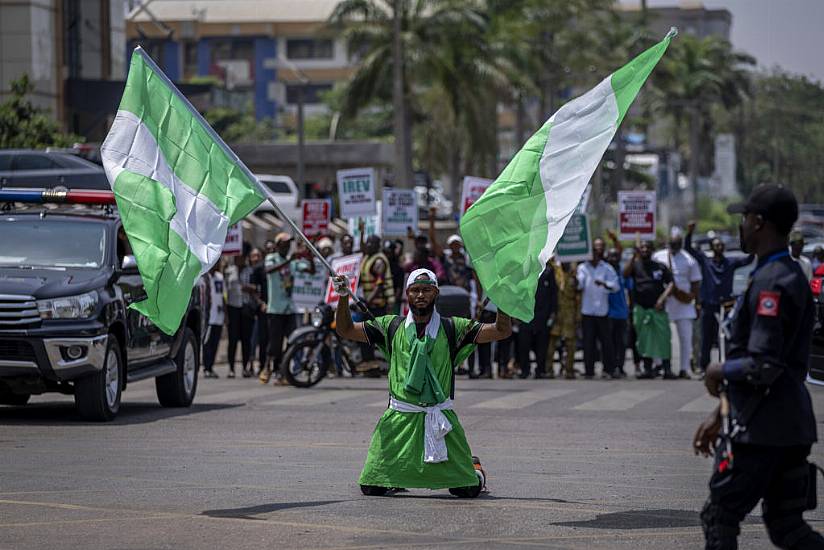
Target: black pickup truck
67	277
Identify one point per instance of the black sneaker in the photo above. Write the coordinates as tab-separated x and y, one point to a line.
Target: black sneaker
669	376
648	375
684	375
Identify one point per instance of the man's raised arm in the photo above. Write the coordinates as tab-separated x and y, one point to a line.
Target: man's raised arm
344	325
493	332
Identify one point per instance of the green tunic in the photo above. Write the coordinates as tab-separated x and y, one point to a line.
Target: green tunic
395	457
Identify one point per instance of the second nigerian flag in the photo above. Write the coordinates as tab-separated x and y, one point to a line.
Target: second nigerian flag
178	187
512	230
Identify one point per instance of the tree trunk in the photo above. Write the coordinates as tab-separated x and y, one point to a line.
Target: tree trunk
520	121
400	103
695	147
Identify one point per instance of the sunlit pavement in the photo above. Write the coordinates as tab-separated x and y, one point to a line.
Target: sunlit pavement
571	464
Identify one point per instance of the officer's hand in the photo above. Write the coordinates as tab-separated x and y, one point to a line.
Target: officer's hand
713	378
706	434
341	284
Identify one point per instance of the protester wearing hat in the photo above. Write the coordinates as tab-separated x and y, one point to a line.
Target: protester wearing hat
763	456
326	247
796	246
280	311
419	441
686	273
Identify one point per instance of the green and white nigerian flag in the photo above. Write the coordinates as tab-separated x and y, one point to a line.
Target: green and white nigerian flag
178	187
511	231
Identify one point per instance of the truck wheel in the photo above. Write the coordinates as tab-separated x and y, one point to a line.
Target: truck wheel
97	396
177	389
16	399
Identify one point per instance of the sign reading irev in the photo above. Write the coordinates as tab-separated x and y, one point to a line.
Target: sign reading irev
234	240
356	190
349	266
636	215
575	244
317	213
399	211
473	188
309	289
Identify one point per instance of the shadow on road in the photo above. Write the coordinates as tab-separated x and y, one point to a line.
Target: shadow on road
59	414
249	511
640	519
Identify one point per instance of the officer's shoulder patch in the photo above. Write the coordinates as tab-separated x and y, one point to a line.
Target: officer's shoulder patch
768	301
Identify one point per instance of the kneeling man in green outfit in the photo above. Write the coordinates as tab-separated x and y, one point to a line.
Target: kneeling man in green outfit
418	442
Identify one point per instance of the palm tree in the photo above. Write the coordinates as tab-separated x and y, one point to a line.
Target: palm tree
405	47
696	76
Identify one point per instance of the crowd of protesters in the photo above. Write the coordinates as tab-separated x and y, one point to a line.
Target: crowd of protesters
608	307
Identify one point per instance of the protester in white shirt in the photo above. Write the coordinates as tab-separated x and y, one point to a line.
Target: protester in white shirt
217	315
596	279
796	246
686	274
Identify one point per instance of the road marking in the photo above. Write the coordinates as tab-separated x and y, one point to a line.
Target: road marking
321	397
619	400
237	396
521	399
705	403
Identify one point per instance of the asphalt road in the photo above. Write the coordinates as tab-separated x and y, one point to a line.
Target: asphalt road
572	464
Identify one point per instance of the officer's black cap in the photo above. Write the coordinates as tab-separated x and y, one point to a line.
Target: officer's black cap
773	202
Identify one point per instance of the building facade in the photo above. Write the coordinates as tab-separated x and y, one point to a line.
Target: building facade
63	46
257	52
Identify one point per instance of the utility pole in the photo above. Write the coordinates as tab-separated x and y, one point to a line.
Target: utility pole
301	143
403	135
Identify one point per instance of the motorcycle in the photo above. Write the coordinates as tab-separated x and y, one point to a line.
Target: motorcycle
312	350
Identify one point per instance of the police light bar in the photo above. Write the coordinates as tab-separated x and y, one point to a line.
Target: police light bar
40	196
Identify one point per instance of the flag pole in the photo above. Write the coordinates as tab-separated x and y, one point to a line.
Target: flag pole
270	196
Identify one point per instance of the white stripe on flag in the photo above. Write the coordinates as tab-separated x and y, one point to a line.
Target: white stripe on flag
579	133
197	220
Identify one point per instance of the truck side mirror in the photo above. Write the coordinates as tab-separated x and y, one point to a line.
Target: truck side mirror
129	266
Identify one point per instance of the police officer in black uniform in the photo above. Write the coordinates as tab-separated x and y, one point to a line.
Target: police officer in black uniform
772	426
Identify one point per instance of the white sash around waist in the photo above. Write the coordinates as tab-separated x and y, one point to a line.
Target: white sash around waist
436	426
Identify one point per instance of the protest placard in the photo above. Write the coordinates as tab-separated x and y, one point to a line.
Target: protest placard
575	244
309	289
473	188
371	225
349	266
399	211
234	241
356	190
317	213
636	215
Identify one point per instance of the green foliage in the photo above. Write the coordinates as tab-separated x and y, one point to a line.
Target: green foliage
714	216
25	126
780	135
239	126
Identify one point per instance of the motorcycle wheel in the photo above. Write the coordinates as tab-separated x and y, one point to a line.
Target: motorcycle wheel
306	363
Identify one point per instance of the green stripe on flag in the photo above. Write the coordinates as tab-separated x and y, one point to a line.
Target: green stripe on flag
192	153
504	243
167	266
627	81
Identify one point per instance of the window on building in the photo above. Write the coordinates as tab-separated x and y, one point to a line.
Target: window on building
189	59
312	93
309	48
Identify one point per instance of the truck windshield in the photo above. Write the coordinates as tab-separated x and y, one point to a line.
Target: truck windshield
52	243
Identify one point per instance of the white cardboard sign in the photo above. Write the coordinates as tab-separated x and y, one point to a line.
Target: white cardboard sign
399	211
356	190
636	214
473	188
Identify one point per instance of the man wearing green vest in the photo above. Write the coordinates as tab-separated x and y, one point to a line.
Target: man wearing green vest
418	442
